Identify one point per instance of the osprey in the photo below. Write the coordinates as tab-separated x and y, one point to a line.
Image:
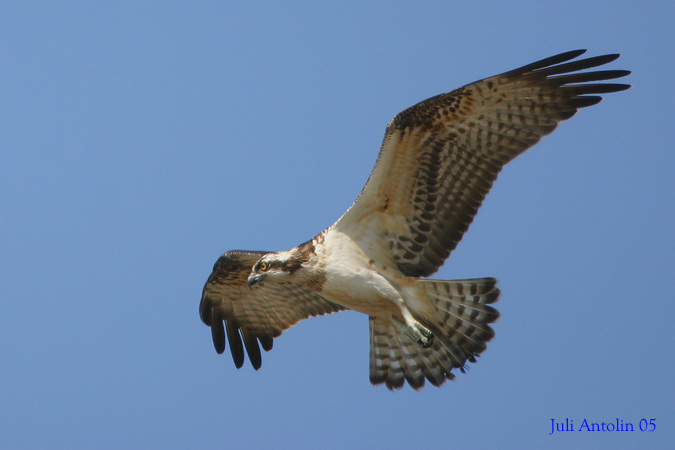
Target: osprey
437	163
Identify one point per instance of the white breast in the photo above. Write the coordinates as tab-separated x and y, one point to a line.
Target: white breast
352	280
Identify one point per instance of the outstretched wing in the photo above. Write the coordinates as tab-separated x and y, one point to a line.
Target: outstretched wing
253	316
440	157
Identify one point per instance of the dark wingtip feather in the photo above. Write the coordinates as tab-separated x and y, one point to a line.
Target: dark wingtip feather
218	336
599	60
551	60
598	75
574	66
252	348
609	74
583	102
619	87
602	88
236	347
267	342
604	59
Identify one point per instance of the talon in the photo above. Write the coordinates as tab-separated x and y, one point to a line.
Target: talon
421	335
417	332
426	341
426	337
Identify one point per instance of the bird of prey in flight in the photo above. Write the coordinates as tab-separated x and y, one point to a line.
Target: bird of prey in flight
437	163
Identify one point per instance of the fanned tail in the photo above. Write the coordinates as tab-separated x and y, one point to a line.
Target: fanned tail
460	325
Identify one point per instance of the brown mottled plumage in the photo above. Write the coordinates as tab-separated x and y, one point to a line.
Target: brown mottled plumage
437	163
440	157
256	315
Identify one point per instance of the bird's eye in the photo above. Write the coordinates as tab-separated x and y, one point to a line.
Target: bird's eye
264	266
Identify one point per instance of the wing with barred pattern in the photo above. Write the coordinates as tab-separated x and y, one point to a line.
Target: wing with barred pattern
440	157
253	318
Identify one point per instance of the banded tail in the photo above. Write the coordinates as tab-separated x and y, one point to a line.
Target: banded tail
460	327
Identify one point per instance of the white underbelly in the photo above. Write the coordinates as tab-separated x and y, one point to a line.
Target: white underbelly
352	280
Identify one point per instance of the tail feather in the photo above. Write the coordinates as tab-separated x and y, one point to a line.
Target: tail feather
460	327
463	312
395	359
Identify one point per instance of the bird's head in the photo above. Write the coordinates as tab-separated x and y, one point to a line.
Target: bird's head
274	267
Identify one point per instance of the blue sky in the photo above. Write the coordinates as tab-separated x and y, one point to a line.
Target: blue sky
140	140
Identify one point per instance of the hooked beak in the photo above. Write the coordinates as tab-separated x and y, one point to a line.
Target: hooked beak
253	279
